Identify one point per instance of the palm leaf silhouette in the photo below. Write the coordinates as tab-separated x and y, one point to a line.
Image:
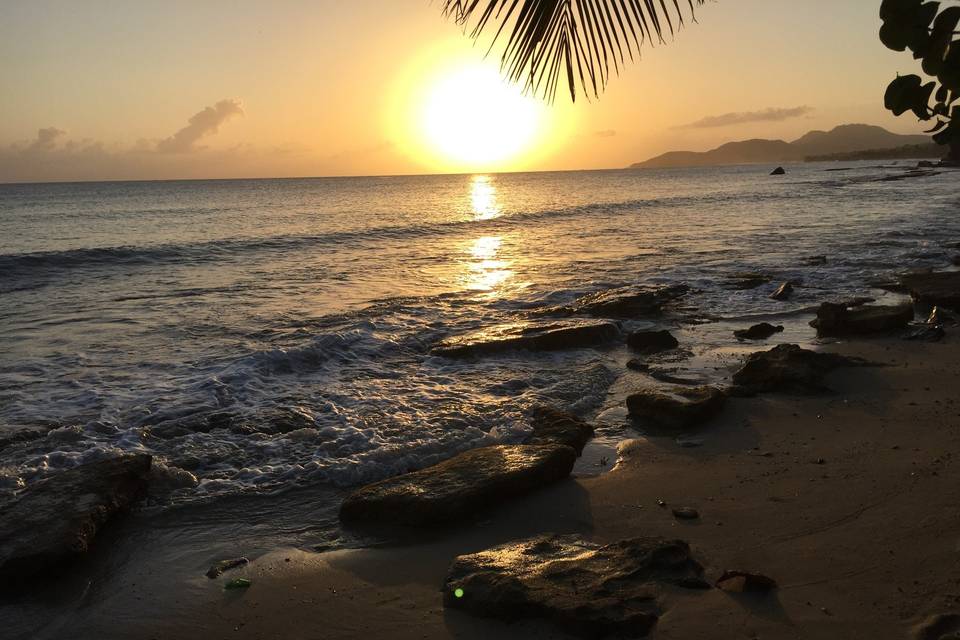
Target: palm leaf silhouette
581	41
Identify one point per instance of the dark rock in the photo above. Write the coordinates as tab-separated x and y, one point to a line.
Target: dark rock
14	435
939	288
925	164
955	261
649	342
685	513
925	333
217	568
628	302
758	331
745	582
663	376
943	626
459	487
552	426
676	409
586	589
56	519
838	320
746	280
783	292
815	261
788	368
779	171
637	364
549	337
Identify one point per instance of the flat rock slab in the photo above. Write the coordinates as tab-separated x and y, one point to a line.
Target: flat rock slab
624	303
839	320
587	589
553	426
543	337
678	408
56	519
461	486
788	368
941	288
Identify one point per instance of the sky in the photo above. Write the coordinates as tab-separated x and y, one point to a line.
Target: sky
103	89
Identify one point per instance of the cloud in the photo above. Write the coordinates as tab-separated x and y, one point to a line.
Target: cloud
770	114
47	138
202	124
606	133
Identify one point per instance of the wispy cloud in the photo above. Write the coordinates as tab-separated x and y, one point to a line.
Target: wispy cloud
46	138
770	114
202	124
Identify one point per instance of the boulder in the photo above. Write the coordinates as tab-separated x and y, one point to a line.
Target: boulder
543	337
758	331
636	364
745	582
783	292
628	302
678	408
938	288
461	486
57	519
649	342
779	171
553	426
788	368
587	589
838	320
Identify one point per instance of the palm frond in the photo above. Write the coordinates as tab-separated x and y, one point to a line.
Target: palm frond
583	42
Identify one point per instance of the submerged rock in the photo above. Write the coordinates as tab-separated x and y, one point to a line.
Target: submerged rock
544	337
746	280
788	368
839	320
758	331
745	582
625	303
678	408
459	487
587	589
783	292
940	288
56	519
553	426
650	342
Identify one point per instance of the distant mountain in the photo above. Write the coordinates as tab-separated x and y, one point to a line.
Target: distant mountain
847	138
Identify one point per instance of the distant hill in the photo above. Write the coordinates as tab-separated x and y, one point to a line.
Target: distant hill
926	151
847	138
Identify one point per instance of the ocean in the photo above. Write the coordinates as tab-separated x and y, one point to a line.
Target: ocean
260	335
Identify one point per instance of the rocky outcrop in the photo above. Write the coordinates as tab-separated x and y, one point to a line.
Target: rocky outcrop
544	337
460	486
788	368
678	408
758	331
586	589
938	288
783	292
57	519
839	320
625	303
650	342
553	426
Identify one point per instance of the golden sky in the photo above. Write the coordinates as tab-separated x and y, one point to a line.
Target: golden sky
244	88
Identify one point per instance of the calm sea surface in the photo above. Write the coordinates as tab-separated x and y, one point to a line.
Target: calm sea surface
260	334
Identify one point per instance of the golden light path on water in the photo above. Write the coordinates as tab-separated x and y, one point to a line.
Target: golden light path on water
486	269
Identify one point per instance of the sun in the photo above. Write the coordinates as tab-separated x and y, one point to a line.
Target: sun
474	119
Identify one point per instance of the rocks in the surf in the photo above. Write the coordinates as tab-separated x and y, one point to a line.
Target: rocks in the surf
746	280
788	368
838	320
461	486
758	331
745	582
650	342
14	435
568	334
624	303
57	519
636	364
779	171
553	426
924	332
935	288
217	568
783	292
676	408
587	589
942	626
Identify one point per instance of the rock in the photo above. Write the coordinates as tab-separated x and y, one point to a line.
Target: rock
943	626
788	368
746	280
838	320
57	519
940	316
685	513
586	589
955	260
544	337
679	408
939	288
758	331
649	342
779	171
552	426
636	364
663	376
461	486
217	568
925	333
783	292
815	261
745	582
925	164
628	302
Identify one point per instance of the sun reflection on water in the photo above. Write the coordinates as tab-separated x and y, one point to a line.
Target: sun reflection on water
483	198
486	267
